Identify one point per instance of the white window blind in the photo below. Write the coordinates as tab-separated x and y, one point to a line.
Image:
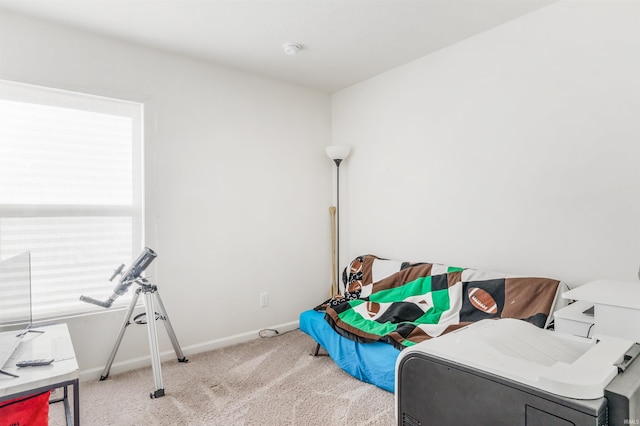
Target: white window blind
71	191
15	291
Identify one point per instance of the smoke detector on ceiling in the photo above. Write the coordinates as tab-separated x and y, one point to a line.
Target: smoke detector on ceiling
291	48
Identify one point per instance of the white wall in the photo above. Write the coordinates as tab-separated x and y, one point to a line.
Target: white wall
238	186
517	150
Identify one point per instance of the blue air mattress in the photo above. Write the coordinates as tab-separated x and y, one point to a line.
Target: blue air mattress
373	363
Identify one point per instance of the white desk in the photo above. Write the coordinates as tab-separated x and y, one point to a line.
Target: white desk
33	380
616	307
572	320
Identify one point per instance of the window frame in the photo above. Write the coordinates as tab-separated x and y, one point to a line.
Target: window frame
41	95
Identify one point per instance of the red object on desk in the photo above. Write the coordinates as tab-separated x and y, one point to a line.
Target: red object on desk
30	410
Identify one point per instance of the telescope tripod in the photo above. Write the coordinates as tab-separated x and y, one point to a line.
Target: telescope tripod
151	301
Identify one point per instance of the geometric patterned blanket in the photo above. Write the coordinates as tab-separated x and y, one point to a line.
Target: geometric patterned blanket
404	303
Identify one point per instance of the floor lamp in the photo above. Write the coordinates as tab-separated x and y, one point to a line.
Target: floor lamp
337	154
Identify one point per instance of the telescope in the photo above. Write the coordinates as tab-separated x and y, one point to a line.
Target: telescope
151	301
130	276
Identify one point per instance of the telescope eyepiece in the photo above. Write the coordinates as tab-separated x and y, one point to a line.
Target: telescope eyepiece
106	304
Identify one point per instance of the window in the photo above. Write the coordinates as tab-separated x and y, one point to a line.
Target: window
71	192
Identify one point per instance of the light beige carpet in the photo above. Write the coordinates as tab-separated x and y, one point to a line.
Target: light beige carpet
267	382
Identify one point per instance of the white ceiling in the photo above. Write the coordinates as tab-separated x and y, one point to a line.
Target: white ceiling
344	41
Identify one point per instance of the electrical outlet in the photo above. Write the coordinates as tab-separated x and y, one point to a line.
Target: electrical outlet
264	299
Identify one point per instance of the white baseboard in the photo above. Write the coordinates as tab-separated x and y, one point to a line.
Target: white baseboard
145	361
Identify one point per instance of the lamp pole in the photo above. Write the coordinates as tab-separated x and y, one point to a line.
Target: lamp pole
338	161
337	154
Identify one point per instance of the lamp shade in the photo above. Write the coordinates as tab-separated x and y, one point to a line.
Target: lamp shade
336	152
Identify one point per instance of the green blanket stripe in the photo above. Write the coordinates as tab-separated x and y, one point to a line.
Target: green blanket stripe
420	285
432	316
441	300
372	327
454	269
